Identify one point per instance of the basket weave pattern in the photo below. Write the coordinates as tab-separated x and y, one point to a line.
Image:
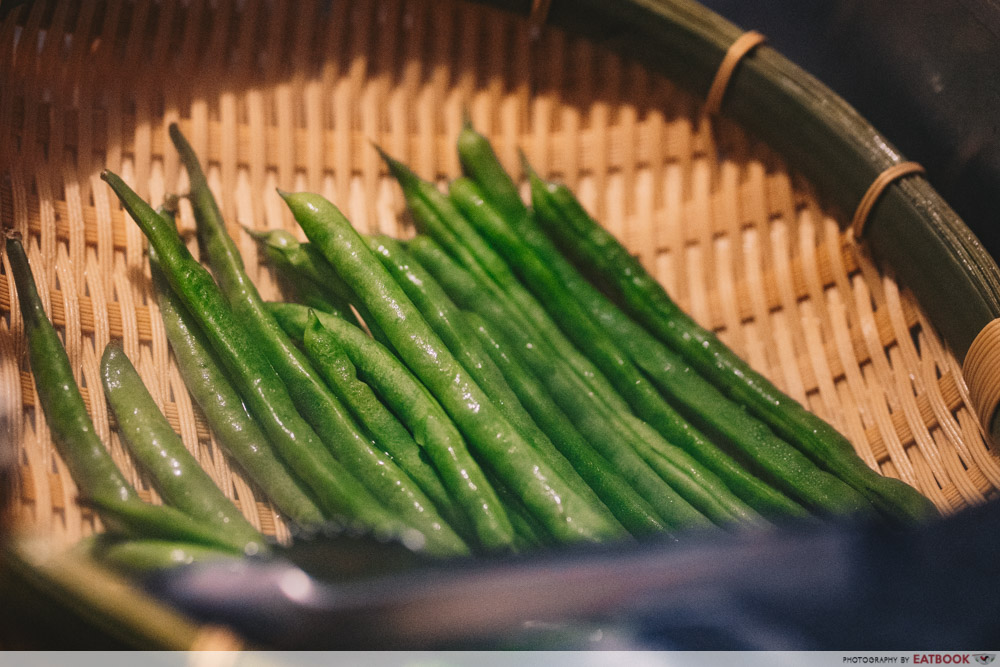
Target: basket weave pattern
287	94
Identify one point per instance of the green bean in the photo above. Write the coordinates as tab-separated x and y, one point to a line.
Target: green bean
589	245
613	434
726	421
446	321
695	451
709	497
628	506
564	512
161	522
529	533
310	294
381	425
438	311
227	417
89	462
436	215
175	472
715	471
146	556
421	414
480	163
293	263
708	409
323	273
101	485
304	260
313	399
335	490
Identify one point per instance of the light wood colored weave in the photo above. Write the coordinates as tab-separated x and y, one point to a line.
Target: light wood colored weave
274	93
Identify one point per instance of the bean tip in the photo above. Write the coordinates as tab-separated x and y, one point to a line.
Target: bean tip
313	328
114	180
178	138
111	352
526	165
381	151
400	171
171	203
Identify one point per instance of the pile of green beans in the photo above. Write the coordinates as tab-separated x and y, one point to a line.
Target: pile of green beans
509	379
502	308
197	519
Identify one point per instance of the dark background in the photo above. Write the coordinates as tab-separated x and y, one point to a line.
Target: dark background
926	73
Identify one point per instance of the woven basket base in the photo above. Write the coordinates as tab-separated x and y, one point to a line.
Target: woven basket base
273	97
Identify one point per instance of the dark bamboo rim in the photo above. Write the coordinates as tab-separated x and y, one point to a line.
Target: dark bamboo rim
911	230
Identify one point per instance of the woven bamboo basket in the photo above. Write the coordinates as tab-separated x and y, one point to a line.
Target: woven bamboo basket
285	94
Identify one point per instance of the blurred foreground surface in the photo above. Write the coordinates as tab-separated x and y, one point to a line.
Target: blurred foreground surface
860	587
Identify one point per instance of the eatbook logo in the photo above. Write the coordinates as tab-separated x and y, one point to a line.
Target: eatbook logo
984	658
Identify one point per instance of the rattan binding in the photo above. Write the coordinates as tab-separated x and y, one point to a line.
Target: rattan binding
982	372
739	49
875	190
